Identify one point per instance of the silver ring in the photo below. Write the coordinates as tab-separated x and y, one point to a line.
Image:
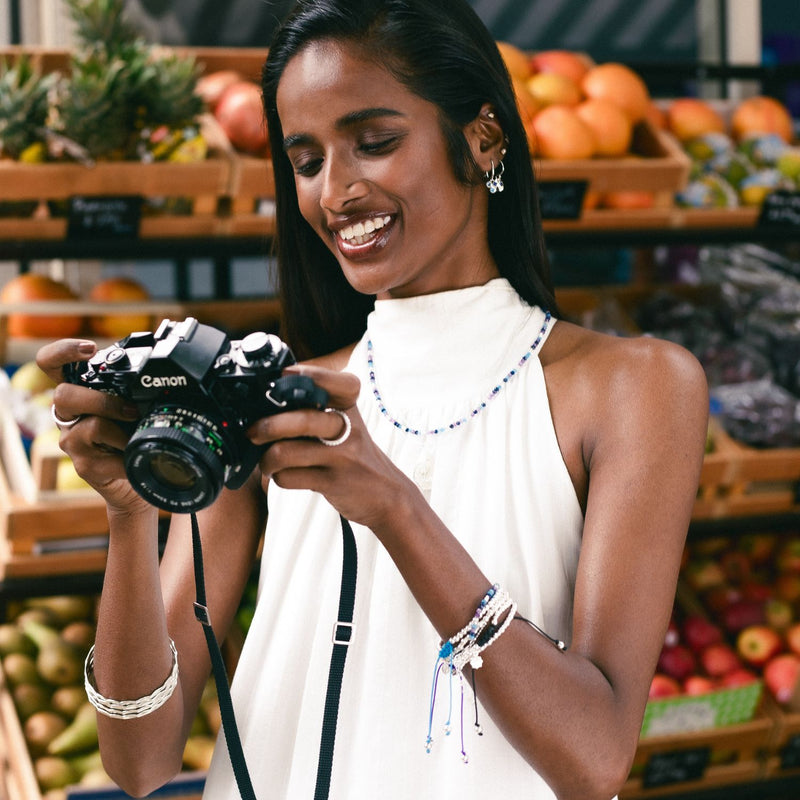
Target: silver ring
345	435
62	424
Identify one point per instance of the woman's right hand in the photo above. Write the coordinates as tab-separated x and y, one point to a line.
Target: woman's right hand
95	443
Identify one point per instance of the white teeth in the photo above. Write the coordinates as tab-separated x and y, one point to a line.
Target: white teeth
359	233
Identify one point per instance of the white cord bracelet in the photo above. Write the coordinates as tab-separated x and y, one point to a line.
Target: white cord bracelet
130	709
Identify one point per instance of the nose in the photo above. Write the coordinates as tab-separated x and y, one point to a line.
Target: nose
342	182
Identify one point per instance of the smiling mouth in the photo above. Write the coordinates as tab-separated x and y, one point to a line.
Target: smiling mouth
363	232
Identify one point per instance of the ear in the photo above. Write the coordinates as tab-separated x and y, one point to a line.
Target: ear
486	138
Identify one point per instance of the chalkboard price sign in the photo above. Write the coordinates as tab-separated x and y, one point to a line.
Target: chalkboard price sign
104	217
780	209
677	766
562	199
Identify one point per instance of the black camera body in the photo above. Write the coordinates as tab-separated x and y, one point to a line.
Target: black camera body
197	392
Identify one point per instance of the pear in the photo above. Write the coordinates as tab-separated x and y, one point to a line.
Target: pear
28	379
41	615
95	778
13	640
67	700
20	668
30	698
86	762
80	633
58	662
79	735
198	751
40	729
65	608
53	773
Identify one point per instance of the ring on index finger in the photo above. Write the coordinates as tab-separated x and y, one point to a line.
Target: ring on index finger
344	435
62	424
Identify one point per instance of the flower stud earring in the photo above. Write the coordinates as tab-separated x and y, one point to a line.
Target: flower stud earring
494	179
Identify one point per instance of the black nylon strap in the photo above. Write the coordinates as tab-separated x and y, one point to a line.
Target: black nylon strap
342	636
220	673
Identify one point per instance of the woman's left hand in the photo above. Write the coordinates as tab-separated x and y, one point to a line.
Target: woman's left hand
355	476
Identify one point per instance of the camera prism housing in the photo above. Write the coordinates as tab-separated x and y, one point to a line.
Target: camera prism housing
197	392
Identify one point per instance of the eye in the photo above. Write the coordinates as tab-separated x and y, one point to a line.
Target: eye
306	167
379	146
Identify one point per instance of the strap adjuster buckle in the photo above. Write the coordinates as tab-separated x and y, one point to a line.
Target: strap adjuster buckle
201	614
343	633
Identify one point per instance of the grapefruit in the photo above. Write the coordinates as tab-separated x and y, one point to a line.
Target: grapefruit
32	287
761	115
690	117
621	85
119	290
610	125
516	60
560	133
550	88
563	62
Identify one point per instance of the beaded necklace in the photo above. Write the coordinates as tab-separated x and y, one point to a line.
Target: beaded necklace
509	376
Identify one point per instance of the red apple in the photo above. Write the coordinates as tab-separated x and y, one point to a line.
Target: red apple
739	677
719	659
781	675
699	633
739	615
787	586
663	686
760	592
677	661
698	684
793	638
720	597
757	644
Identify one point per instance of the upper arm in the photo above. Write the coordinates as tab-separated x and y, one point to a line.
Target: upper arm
649	421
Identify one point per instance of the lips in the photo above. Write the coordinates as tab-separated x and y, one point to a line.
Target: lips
361	238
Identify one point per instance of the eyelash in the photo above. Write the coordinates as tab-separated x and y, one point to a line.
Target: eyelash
380	147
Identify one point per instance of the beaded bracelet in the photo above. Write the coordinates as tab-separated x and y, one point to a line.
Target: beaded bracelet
130	709
471	654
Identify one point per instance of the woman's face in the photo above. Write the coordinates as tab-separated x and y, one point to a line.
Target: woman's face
374	179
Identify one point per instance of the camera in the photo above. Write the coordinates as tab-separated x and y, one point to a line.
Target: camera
197	392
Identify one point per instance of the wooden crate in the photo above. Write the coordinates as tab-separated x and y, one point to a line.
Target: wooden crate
700	759
738	480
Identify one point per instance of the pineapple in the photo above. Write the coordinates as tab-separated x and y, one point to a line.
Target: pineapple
24	109
102	23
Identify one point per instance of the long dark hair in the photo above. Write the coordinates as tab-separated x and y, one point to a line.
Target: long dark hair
441	51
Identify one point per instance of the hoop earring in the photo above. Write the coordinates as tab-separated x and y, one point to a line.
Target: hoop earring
494	180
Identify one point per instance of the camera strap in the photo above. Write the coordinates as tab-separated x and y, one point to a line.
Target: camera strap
342	636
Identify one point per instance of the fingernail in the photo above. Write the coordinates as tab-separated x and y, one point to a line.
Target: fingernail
87	348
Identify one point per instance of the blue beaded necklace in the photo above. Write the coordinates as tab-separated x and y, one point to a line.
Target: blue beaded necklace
509	376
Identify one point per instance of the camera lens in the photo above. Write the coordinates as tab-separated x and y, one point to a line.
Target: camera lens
176	459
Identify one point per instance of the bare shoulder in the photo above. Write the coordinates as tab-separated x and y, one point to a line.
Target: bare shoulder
623	389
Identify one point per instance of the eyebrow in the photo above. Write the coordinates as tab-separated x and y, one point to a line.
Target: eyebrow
347	121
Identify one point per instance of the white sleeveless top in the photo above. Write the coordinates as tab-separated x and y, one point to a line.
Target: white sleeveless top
499	483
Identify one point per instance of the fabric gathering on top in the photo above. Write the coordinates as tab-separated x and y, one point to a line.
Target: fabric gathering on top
497	480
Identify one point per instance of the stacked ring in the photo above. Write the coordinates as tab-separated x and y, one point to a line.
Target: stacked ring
62	424
343	437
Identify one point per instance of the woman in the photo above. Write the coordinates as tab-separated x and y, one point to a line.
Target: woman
484	441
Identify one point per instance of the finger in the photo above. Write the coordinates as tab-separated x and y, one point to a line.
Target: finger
72	401
92	433
52	357
301	423
342	387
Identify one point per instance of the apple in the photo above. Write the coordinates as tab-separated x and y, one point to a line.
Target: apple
792	636
690	117
699	633
757	644
778	614
550	88
704	574
739	677
564	62
698	684
781	675
788	557
787	586
240	113
719	598
663	686
719	659
677	661
739	615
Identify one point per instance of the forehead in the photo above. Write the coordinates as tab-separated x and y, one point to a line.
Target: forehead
331	79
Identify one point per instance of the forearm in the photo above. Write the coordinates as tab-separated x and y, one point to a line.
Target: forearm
132	658
557	709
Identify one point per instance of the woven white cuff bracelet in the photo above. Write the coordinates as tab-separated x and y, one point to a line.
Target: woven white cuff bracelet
130	709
